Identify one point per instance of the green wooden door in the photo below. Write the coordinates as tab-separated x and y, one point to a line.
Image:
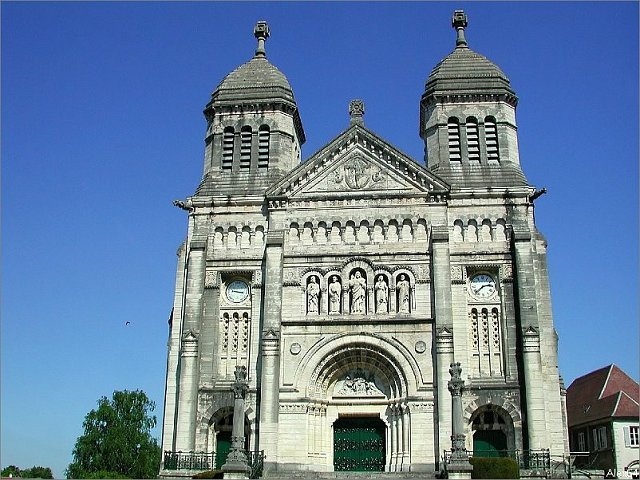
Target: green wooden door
489	443
223	447
358	444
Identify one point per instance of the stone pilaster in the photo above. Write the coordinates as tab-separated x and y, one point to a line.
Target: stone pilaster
441	268
536	423
171	395
194	284
270	374
186	424
444	358
529	322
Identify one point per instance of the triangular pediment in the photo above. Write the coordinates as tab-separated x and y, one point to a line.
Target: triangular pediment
358	163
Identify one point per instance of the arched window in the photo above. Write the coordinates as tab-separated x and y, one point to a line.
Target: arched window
453	128
245	148
491	139
227	148
263	147
473	142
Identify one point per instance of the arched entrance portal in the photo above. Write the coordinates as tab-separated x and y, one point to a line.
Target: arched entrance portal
361	390
359	444
493	434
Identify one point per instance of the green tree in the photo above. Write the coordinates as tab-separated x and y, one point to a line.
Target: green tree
37	472
33	472
10	470
117	441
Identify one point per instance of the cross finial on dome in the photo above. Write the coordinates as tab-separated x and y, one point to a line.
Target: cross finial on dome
261	32
356	112
459	22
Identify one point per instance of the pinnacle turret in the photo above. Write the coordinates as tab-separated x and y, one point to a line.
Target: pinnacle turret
459	22
261	32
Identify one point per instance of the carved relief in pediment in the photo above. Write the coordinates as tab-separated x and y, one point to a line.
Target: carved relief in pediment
356	174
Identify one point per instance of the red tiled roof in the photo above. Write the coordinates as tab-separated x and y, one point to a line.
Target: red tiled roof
601	394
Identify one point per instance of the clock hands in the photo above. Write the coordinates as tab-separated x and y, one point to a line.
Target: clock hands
482	286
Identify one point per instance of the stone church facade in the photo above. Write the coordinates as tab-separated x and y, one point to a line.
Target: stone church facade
348	283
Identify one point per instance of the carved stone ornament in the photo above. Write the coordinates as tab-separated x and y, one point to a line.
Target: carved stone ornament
356	107
291	277
270	334
295	348
211	279
423	273
506	272
240	385
358	383
422	407
420	346
293	408
456	384
256	281
457	274
358	174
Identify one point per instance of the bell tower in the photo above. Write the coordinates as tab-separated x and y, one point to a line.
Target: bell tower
254	133
467	119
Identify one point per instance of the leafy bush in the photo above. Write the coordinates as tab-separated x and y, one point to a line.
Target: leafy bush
104	474
33	472
209	474
494	468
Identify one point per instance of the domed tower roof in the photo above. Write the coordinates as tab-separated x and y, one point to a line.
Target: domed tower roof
467	73
256	80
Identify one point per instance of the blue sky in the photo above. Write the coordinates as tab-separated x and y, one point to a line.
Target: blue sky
102	128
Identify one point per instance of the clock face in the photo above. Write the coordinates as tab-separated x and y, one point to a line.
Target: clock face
237	291
482	285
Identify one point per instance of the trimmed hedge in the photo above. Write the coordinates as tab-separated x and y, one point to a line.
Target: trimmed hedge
209	474
494	467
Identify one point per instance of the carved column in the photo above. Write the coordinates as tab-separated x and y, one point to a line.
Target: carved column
458	465
370	304
393	309
406	449
346	298
393	426
237	465
270	373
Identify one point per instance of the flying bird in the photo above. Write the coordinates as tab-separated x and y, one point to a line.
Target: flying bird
127	323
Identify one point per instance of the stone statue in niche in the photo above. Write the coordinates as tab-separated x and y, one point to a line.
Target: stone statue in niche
404	294
335	294
358	287
313	295
382	295
358	383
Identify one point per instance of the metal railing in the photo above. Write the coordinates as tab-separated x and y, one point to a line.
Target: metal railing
189	460
536	460
207	461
